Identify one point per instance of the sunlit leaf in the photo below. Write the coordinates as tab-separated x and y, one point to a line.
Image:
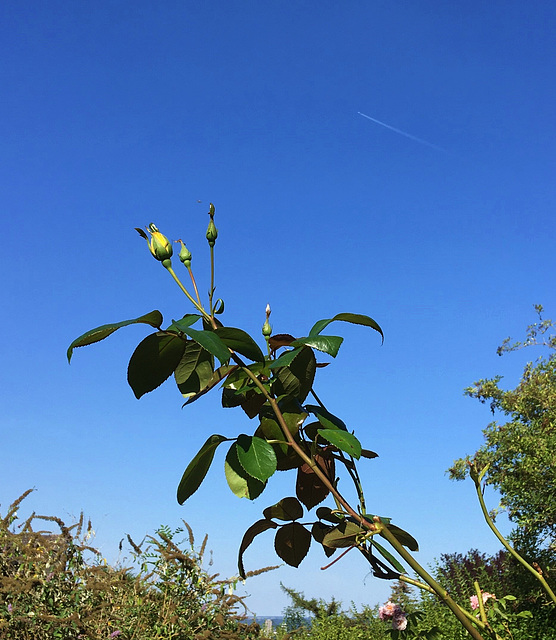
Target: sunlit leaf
153	361
326	344
342	535
198	468
256	456
240	482
344	440
254	530
287	509
209	341
154	319
353	318
327	419
185	322
292	542
296	380
285	359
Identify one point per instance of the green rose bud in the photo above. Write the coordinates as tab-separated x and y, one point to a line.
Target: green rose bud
212	233
267	329
185	254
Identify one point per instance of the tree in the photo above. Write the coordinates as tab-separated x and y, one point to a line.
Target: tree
521	452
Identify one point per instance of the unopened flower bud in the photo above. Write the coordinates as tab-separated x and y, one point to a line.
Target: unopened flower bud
159	245
212	233
185	254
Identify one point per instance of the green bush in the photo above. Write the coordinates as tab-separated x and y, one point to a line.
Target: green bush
53	585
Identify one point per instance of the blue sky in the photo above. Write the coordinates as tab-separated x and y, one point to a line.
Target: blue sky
115	115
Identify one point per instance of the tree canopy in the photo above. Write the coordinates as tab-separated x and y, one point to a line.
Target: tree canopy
520	450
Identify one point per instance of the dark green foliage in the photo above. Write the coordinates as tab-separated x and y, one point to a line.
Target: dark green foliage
500	575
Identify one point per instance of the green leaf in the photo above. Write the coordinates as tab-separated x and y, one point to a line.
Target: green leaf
217	377
343	535
219	306
287	509
285	359
195	369
327	344
353	318
344	440
211	342
296	380
154	318
318	531
388	556
327	419
185	322
256	456
240	482
153	361
259	527
325	513
292	542
198	468
309	488
241	342
403	537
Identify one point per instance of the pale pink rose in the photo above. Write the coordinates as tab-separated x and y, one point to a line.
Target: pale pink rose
475	601
399	622
387	611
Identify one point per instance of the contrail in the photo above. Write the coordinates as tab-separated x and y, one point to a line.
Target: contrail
402	133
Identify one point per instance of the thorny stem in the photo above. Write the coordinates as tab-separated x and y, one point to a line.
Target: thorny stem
505	543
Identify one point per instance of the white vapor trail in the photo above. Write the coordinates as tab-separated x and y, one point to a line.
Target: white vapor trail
402	133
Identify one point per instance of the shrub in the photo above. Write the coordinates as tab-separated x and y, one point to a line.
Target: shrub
53	585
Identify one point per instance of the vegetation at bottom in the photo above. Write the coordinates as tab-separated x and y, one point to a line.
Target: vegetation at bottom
53	585
520	609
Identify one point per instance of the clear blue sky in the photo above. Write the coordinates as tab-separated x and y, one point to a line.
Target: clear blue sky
114	115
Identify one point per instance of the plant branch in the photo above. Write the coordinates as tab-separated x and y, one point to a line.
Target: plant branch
506	544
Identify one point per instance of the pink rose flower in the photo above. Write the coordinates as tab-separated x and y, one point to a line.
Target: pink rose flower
475	601
399	622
